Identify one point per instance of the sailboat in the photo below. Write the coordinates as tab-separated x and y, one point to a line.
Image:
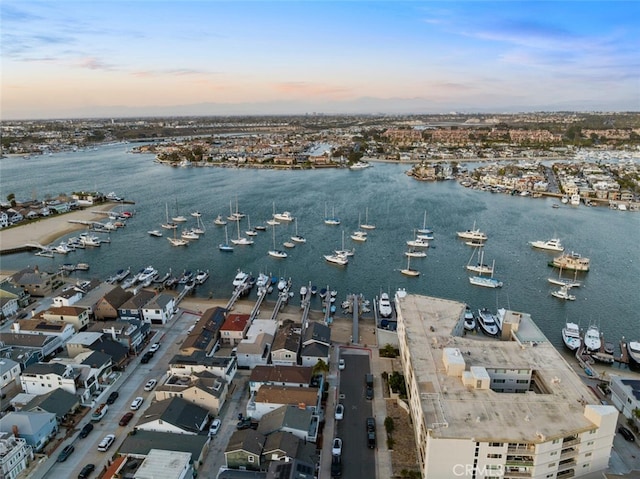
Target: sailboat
480	266
178	218
560	281
418	242
276	253
424	230
486	281
225	246
359	235
175	241
273	221
241	239
251	231
168	225
414	253
563	293
297	238
408	271
366	225
220	221
199	228
344	252
333	220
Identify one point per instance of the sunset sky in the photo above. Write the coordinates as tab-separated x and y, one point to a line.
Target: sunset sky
81	58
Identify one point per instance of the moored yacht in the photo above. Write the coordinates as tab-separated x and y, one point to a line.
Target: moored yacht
572	261
472	234
552	244
284	216
592	339
201	276
487	322
563	293
469	319
339	259
571	336
633	349
240	278
384	306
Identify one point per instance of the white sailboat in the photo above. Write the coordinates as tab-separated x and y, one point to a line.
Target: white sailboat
344	252
408	271
220	221
178	218
250	231
417	242
297	238
424	230
276	253
168	225
366	225
225	246
486	281
241	240
332	220
414	253
175	241
480	266
199	228
560	281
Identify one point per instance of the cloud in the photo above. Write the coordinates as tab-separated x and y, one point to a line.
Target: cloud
92	63
170	72
311	89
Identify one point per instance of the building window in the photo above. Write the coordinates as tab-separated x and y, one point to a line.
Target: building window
499	381
555	441
553	464
251	459
554	453
494	456
495	444
587	454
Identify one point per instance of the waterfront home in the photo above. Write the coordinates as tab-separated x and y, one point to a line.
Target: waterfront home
132	308
130	334
254	349
9	290
234	328
75	316
35	282
106	307
88	341
39	326
206	333
244	450
35	428
159	309
286	344
202	388
316	344
175	415
300	422
269	398
68	297
280	375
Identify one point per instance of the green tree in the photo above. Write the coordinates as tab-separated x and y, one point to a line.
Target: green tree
320	368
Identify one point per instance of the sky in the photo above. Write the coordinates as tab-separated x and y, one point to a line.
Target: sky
88	59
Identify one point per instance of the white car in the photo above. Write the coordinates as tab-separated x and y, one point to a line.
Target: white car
154	347
151	383
341	364
339	415
215	427
336	447
137	402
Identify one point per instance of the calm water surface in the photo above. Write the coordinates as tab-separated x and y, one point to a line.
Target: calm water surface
396	205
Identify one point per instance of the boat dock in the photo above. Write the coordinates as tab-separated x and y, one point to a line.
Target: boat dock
624	356
283	298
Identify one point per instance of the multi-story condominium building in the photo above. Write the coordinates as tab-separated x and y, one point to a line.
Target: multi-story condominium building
14	455
489	408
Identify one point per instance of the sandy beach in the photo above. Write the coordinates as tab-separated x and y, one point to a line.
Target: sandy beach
47	230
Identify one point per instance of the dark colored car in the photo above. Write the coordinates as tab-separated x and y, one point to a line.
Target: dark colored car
65	453
247	423
86	471
124	420
626	433
336	466
112	397
146	357
369	393
87	428
371	432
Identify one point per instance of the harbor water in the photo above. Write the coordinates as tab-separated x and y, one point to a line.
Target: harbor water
395	203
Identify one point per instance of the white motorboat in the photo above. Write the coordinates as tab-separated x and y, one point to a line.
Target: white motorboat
469	319
282	284
303	291
201	276
155	233
225	246
571	336
148	274
472	234
384	306
408	271
189	235
263	280
196	214
415	253
552	244
366	225
575	199
359	165
563	293
359	236
289	244
487	322
336	258
633	349
592	341
284	216
572	261
418	243
240	278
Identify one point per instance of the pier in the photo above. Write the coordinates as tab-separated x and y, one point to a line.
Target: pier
283	298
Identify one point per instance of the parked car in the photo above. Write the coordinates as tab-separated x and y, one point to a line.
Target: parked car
86	471
154	347
65	453
336	466
626	433
112	397
124	420
146	357
137	402
339	415
86	429
247	423
215	427
106	442
336	447
341	364
151	383
369	393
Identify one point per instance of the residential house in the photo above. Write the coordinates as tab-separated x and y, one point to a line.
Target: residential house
316	344
186	365
255	348
206	333
139	445
159	309
93	368
42	345
14	216
270	398
175	415
76	316
9	373
130	334
301	422
234	328
68	297
173	464
275	375
286	344
15	456
295	469
132	308
41	378
625	395
59	402
244	450
23	355
10	290
36	283
36	428
98	341
202	388
8	306
106	308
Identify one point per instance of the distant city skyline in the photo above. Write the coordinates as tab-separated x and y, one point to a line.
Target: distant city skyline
76	58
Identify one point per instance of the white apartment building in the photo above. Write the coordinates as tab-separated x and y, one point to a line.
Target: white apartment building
14	455
486	408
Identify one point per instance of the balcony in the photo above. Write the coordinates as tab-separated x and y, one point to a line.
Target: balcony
568	453
570	442
515	474
566	474
521	449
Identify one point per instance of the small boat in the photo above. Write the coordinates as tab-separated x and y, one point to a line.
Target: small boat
591	339
148	274
384	306
303	291
276	253
412	253
82	266
196	214
552	244
366	225
284	216
486	281
472	234
338	259
408	271
314	289
241	240
168	225
563	293
555	205
359	236
225	246
633	349
189	235
418	243
220	221
177	241
282	284
331	220
297	238
359	165
163	279
571	261
201	276
424	230
289	244
487	322
260	228
155	233
571	336
250	231
480	267
560	281
186	277
475	243
469	319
